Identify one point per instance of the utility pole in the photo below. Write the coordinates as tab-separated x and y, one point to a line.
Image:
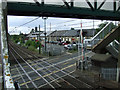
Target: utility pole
82	49
44	18
39	41
93	28
50	32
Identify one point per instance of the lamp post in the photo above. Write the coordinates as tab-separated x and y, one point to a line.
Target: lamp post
45	18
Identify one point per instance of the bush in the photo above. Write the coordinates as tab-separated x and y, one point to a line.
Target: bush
28	43
32	48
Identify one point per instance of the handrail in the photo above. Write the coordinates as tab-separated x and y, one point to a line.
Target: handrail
101	34
115	44
100	31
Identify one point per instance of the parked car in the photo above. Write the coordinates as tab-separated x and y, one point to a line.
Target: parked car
80	45
69	46
65	43
60	43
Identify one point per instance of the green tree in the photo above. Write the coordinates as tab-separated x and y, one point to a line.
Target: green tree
100	26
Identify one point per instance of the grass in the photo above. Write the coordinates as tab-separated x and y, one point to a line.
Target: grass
32	48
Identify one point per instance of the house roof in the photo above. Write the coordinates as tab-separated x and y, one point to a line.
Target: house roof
47	33
62	33
71	33
34	34
59	33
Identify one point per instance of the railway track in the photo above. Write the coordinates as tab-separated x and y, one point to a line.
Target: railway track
41	73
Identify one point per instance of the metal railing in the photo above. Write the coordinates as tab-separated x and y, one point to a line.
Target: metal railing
101	34
115	44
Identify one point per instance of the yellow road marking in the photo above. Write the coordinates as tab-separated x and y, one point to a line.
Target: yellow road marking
48	74
65	63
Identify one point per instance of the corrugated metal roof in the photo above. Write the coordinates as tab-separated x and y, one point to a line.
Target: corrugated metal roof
71	33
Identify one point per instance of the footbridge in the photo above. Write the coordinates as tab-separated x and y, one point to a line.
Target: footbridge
82	9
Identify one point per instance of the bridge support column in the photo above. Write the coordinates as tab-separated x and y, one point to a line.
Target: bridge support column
8	83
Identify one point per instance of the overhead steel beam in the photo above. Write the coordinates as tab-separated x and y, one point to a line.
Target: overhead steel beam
90	4
37	2
66	3
114	5
31	9
42	2
72	3
101	4
95	4
118	9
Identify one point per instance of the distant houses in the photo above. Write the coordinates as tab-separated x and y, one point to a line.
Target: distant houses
61	35
34	35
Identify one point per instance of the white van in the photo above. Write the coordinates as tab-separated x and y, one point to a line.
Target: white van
87	43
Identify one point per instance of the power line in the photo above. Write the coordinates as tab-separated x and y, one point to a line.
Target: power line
28	22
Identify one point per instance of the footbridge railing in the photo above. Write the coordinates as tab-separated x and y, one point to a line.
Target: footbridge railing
100	35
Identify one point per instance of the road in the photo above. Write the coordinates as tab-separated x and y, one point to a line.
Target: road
32	71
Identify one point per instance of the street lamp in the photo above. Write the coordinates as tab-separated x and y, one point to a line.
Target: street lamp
45	18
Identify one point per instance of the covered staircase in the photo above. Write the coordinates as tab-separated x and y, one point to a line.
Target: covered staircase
104	37
104	44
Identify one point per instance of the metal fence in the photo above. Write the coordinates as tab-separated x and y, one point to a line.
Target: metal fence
109	73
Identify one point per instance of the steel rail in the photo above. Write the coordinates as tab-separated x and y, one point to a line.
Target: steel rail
55	63
39	69
50	81
55	74
64	72
56	79
21	76
23	70
51	77
68	74
49	71
34	69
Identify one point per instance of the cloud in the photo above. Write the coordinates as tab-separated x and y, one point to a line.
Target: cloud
56	24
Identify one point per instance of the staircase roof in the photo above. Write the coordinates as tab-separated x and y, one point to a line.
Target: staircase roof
100	57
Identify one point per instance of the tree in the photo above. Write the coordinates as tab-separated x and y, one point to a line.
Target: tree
72	29
103	25
100	26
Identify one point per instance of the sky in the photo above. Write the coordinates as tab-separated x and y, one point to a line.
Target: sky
17	24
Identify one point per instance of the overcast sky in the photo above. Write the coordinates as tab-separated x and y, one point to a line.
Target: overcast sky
15	22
